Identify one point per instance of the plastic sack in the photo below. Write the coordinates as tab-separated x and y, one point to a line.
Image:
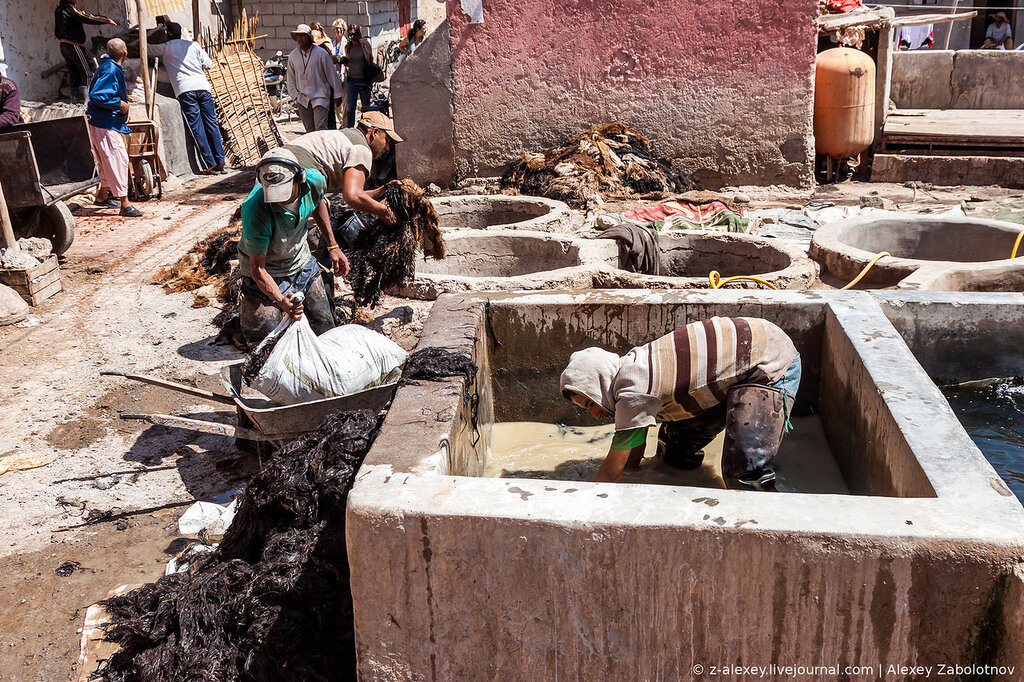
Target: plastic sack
342	361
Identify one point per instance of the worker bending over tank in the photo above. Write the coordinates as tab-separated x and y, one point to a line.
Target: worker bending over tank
740	374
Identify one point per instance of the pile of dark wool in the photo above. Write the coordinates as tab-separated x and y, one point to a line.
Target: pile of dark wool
613	159
384	256
273	601
432	364
258	357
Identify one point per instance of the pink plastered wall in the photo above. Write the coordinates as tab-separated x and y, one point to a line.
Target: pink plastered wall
723	89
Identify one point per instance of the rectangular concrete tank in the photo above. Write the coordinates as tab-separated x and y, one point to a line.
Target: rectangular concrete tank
455	576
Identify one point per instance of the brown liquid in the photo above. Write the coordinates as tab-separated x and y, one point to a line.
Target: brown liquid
574	453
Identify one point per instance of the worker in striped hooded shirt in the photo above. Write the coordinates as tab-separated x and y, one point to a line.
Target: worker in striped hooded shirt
739	374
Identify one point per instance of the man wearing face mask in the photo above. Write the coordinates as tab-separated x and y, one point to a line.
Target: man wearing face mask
273	252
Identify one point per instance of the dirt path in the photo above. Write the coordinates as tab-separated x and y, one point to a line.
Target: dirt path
133	478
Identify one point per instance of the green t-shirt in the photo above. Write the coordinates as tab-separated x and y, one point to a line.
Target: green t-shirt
271	230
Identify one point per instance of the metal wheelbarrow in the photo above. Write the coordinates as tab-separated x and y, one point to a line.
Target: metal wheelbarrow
260	419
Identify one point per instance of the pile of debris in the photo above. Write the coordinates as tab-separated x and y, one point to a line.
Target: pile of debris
272	602
384	256
206	270
612	159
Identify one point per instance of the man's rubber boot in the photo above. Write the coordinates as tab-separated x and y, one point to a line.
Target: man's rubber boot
763	480
755	422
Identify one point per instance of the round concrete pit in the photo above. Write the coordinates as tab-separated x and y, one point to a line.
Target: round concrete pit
479	211
687	258
926	252
509	260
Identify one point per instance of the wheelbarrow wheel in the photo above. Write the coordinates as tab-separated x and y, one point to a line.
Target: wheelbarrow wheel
145	181
58	225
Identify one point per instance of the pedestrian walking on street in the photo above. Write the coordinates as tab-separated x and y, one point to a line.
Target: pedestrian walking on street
107	112
312	80
187	63
357	56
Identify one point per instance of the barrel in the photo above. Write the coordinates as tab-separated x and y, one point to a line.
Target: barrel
844	102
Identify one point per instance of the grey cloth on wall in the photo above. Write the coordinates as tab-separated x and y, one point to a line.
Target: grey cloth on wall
639	245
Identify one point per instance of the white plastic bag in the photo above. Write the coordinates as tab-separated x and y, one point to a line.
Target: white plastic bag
347	359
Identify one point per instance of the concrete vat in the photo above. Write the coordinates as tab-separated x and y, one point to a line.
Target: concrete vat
495	578
687	258
509	260
479	211
926	252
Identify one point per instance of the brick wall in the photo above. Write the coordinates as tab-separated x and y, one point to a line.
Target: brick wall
378	19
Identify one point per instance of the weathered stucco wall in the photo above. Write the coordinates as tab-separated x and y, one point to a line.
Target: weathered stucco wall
957	79
29	45
724	90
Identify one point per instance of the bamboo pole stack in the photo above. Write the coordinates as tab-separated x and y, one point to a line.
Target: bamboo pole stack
239	94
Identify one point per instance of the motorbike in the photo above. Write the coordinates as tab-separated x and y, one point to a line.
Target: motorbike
275	71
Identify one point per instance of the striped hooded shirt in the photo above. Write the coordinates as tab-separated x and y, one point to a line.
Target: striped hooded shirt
681	374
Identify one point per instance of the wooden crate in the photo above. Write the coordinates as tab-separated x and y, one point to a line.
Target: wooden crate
37	284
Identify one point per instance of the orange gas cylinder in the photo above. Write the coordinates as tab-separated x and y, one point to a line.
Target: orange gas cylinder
844	102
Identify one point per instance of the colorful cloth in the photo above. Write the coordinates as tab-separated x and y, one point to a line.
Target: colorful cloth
914	37
683	215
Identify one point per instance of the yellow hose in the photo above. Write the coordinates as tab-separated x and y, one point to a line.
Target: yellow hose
1016	244
871	263
716	281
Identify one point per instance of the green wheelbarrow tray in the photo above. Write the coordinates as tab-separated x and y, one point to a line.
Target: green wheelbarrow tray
261	419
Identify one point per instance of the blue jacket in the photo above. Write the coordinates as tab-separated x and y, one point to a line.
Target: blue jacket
106	93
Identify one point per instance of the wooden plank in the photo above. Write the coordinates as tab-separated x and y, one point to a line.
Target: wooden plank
996	124
46	292
925	19
37	284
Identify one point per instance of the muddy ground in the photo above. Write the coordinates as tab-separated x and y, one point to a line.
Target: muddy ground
105	511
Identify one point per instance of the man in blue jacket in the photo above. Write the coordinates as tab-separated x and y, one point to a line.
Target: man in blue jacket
108	124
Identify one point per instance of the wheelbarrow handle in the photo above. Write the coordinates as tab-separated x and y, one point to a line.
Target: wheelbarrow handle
163	383
216	428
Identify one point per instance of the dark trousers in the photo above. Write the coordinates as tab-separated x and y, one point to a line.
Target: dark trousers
681	441
353	89
78	64
201	117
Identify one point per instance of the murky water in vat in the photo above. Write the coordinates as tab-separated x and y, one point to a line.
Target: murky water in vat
992	413
574	453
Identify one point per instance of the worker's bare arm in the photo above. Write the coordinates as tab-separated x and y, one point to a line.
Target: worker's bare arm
269	287
358	198
617	460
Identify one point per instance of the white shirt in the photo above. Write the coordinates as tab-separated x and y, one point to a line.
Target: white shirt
186	64
999	33
311	77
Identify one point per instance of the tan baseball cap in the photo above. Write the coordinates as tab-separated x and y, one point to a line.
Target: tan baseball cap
376	119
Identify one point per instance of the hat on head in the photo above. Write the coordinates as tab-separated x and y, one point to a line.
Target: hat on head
376	119
276	172
302	29
1000	15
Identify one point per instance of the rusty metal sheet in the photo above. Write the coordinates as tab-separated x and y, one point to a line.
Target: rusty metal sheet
19	171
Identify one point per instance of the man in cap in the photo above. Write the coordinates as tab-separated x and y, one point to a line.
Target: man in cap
312	80
187	63
273	252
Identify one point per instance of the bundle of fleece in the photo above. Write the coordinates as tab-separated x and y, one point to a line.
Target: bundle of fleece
273	601
612	159
384	256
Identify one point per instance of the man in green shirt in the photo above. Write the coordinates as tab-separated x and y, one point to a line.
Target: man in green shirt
273	252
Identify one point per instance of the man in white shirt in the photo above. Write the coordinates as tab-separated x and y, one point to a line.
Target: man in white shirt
186	64
312	80
998	35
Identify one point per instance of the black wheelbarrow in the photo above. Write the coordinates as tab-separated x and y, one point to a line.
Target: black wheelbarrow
42	164
260	419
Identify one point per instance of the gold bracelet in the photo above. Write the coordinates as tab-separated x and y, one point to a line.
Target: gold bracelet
333	247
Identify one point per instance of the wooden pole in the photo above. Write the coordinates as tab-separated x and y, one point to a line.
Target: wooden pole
952	25
6	227
144	55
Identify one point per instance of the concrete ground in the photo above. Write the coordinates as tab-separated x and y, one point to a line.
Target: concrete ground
109	501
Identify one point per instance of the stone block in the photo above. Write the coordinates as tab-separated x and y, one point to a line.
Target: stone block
921	79
982	79
268	20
